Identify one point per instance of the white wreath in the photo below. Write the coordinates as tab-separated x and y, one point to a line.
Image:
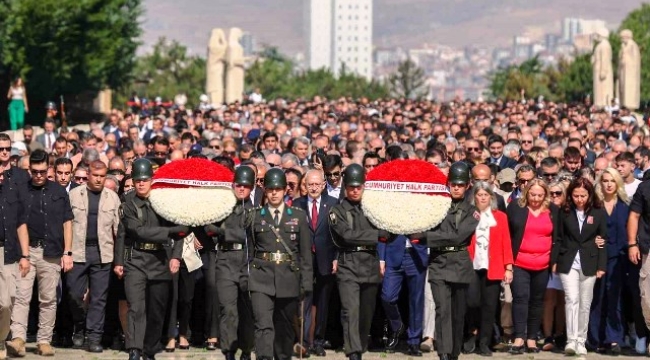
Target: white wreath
193	206
402	212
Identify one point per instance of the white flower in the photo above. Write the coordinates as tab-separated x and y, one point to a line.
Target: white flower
193	206
402	212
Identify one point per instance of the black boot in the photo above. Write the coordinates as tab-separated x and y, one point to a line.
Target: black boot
444	356
245	356
95	347
134	354
78	338
414	350
393	338
229	355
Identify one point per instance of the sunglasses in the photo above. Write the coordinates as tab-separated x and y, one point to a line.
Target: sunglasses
333	174
81	178
260	181
7	149
549	175
523	181
556	193
274	165
38	172
292	185
473	149
526	141
230	153
215	147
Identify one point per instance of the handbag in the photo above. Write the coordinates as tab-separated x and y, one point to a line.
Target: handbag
191	256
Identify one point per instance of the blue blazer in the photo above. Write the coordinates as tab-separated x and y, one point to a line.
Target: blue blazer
617	230
393	252
321	237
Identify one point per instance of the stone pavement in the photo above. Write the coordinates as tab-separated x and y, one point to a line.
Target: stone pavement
201	354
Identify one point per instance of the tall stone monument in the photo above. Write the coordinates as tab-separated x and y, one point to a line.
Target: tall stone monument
216	66
235	67
629	71
603	73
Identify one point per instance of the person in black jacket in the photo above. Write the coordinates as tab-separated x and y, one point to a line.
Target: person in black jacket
450	267
579	259
147	267
357	269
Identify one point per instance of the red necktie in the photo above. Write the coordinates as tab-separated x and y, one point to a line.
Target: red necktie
314	215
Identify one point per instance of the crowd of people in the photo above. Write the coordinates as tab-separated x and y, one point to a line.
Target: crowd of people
555	257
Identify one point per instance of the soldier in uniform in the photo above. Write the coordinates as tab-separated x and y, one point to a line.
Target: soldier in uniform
281	268
450	268
357	271
147	266
234	309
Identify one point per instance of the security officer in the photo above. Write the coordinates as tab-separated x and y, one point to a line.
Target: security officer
357	272
281	268
450	268
147	266
235	312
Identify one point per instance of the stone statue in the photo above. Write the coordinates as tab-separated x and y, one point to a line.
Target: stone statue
629	71
235	67
603	74
214	85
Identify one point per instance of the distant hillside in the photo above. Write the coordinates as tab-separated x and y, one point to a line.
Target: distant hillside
407	23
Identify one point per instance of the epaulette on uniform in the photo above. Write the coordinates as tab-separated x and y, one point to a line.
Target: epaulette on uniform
297	208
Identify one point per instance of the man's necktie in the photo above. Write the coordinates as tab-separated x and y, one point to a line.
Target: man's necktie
314	215
276	218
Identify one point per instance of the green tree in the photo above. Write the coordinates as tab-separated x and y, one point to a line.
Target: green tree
68	46
507	82
638	21
166	71
408	81
574	80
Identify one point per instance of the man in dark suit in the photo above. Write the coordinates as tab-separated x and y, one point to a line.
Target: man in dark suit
317	206
495	146
48	137
257	194
402	260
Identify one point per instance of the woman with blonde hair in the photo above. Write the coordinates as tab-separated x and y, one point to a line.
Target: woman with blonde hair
534	223
606	323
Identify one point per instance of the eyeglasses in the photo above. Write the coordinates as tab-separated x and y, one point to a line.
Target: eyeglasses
333	174
556	193
274	165
259	181
81	178
292	185
523	181
473	149
549	175
215	147
314	186
7	149
38	172
230	153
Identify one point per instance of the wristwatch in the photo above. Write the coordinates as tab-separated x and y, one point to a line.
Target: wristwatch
69	253
632	245
24	257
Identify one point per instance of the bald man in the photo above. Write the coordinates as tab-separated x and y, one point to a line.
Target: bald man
482	172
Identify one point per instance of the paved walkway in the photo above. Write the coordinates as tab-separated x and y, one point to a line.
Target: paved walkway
201	354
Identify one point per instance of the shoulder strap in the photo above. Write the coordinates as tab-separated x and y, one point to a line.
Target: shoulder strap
138	210
348	215
284	244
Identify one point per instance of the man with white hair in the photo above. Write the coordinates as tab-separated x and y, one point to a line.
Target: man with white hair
274	160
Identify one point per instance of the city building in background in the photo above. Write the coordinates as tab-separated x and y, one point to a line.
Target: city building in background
339	35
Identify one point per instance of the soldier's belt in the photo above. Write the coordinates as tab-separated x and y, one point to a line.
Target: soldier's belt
230	247
360	248
277	257
449	249
148	246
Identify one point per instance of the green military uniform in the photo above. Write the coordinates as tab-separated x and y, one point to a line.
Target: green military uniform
358	275
229	261
278	275
450	268
147	278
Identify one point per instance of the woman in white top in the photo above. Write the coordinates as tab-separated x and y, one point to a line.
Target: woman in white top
18	104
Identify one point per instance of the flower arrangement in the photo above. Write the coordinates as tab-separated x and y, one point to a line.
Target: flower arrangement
406	196
193	192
